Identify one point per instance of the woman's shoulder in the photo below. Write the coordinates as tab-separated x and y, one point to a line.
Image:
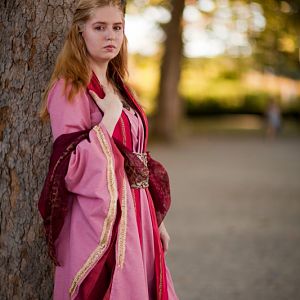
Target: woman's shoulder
60	87
60	92
67	115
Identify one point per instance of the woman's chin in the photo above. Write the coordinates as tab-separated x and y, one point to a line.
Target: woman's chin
105	56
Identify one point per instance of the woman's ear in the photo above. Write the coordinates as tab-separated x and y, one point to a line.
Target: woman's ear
80	27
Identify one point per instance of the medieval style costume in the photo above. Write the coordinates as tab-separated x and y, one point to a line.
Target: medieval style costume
103	200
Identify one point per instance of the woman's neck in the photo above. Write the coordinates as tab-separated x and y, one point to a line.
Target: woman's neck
100	69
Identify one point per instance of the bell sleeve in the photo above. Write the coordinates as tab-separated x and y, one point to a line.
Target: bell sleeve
88	162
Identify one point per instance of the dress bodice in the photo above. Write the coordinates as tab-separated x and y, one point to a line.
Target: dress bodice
137	129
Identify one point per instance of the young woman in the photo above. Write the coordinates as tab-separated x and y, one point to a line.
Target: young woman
104	198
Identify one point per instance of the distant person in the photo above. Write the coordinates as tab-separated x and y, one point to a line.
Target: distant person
105	198
273	119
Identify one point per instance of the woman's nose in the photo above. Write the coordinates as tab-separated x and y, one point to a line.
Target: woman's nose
110	35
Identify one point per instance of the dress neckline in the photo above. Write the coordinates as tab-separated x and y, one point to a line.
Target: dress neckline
131	112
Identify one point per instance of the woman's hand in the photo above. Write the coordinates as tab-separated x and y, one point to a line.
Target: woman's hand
164	236
111	107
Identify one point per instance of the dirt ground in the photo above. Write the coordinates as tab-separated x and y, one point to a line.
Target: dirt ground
235	218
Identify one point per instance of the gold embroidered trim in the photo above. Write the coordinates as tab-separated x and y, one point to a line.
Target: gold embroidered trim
134	200
160	278
123	228
142	156
123	129
144	179
111	215
141	184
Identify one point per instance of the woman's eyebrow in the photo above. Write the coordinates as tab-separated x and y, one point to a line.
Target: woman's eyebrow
104	23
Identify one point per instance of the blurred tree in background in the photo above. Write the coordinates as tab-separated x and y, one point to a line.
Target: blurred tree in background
169	106
236	56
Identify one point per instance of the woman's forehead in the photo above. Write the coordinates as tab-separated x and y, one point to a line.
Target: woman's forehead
106	14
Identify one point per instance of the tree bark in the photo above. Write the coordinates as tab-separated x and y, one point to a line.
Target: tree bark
169	108
31	34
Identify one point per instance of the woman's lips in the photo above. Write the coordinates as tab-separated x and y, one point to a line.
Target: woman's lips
110	47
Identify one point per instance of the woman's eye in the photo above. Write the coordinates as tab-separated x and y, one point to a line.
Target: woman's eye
117	28
99	28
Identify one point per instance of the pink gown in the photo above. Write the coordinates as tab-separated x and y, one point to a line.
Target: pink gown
92	181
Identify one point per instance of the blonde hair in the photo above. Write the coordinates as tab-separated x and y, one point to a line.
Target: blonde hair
72	61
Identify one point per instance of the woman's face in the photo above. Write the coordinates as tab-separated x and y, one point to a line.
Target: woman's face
103	33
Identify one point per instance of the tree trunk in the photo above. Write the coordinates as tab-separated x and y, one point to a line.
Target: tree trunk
169	109
31	34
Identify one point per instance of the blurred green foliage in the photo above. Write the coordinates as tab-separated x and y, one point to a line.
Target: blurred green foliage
209	86
220	84
276	48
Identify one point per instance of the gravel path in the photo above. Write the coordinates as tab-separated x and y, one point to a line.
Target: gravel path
235	218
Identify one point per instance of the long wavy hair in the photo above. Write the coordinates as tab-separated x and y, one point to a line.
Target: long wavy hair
72	62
